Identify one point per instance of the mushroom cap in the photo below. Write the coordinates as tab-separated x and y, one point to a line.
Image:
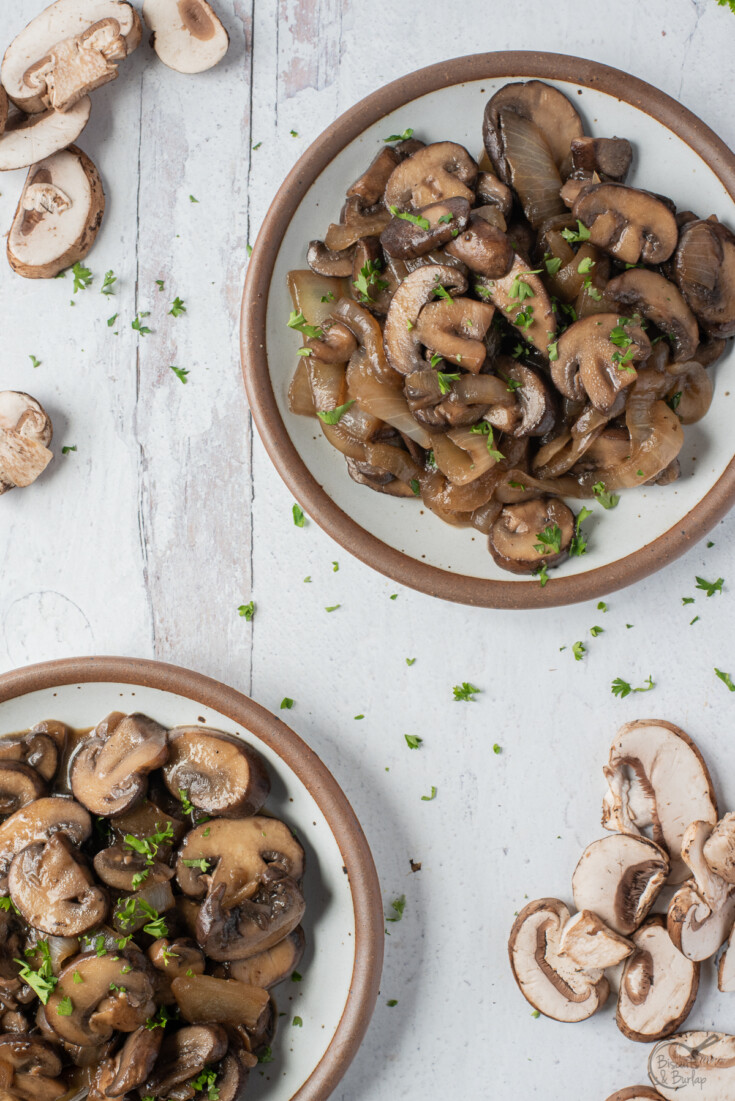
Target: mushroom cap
29	1054
187	35
109	774
694	1064
176	958
38	822
551	983
589	364
619	878
135	1060
36	748
442	170
54	890
484	248
402	345
19	785
369	187
47	236
328	262
657	779
704	267
514	538
118	866
271	966
456	329
112	995
25	433
67	51
610	158
589	943
30	138
546	107
630	224
255	924
221	774
658	986
649	294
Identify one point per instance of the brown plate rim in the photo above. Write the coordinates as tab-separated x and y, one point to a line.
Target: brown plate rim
286	458
303	761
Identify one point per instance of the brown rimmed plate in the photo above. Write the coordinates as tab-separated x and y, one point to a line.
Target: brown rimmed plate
344	917
675	153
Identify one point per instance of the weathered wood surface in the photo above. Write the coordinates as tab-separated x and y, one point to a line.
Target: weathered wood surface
168	515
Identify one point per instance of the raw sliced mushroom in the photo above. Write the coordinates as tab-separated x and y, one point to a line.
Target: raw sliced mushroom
514	539
704	266
658	780
203	998
402	345
187	35
546	108
254	924
54	890
631	225
523	299
619	878
655	298
38	822
719	848
112	995
36	748
109	774
610	158
701	913
443	170
58	215
596	359
184	1054
221	775
658	986
588	943
456	329
444	220
25	433
268	968
28	139
67	51
550	982
19	785
694	1065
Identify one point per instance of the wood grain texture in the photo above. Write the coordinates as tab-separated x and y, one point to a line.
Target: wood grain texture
169	515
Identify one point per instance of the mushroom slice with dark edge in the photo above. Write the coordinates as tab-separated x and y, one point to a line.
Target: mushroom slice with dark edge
484	248
67	51
268	968
657	780
254	924
553	984
187	35
635	1093
726	968
719	848
443	170
655	298
54	890
694	1065
238	855
28	1054
588	943
705	271
25	433
125	869
39	821
596	358
619	879
433	226
28	139
402	345
135	1060
455	330
658	986
550	112
369	187
515	539
702	912
631	225
109	774
36	748
221	775
58	215
111	995
176	958
184	1054
522	297
534	396
19	785
610	158
328	262
204	998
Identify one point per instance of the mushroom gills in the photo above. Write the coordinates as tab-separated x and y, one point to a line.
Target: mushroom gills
619	878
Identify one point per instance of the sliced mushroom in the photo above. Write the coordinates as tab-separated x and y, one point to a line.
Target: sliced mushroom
648	293
112	995
590	364
588	943
36	1087
702	912
619	879
328	262
658	987
444	220
27	1054
184	1054
67	51
110	772
25	433
268	968
514	539
546	108
705	271
523	299
176	958
443	170
134	1062
694	1065
636	1093
221	775
203	998
610	158
28	139
238	855
254	924
657	780
58	215
553	984
19	785
148	817
402	345
369	187
54	890
494	193
536	400
126	869
455	329
36	748
483	248
187	35
38	822
631	225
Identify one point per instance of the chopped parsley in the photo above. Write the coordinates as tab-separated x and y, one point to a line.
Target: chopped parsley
82	277
203	866
186	804
578	545
192	199
579	650
177	307
247	611
298	516
111	321
398	905
65	1008
333	416
368	278
520	289
552	263
181	373
295	976
575	237
296	320
333	608
485	429
710	587
410	661
415	487
149	846
622	688
414	219
595	631
585	265
553	350
607	500
446	219
400	137
286	703
601	606
428	798
67	448
297	1022
445	380
34	362
413	741
465	692
143	330
725	678
542	574
41	981
328	297
392	1002
108	283
549	540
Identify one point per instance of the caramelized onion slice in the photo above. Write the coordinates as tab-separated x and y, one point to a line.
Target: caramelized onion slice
307	290
300	400
691	392
656	437
533	171
462	455
382	400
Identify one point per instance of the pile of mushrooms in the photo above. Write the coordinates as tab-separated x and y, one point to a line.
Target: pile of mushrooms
667	841
147	907
490	336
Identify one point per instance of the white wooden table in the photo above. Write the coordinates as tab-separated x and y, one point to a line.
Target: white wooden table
168	516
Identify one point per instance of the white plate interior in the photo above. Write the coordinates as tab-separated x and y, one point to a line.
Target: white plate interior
663	163
329	923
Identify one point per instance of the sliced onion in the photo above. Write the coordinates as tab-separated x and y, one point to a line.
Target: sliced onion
382	400
339	237
328	391
369	335
393	459
525	486
359	424
533	169
300	400
485	389
461	455
307	290
694	385
656	437
559	455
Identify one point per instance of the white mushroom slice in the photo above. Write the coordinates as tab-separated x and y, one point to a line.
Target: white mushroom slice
187	35
618	878
702	912
25	432
658	986
719	849
67	51
552	983
58	215
28	139
694	1065
589	943
659	781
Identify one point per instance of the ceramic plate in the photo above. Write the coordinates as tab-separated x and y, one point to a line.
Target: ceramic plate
344	919
674	153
